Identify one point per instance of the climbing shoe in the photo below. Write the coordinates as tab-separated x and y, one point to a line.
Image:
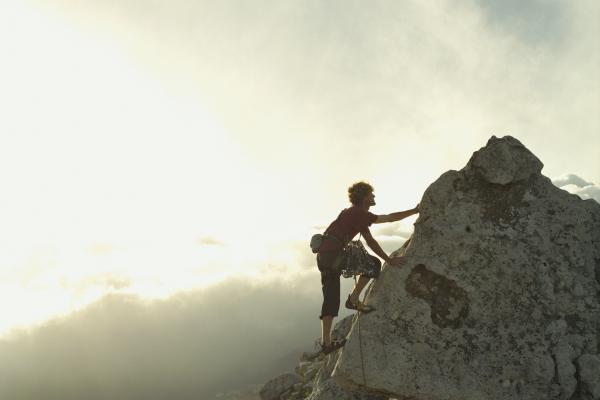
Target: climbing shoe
334	345
359	306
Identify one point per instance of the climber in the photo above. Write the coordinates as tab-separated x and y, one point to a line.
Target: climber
351	221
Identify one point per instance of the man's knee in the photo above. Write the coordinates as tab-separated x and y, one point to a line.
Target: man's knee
325	316
331	295
330	279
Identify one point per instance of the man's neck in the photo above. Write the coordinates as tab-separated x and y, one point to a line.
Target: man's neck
364	207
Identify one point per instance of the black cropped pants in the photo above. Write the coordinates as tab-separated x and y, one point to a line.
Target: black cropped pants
330	281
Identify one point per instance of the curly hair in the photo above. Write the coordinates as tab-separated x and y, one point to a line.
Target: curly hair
358	191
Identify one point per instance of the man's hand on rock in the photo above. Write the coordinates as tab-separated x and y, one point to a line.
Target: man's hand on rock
416	209
397	261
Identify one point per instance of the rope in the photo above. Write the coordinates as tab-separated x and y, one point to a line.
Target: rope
360	340
362	360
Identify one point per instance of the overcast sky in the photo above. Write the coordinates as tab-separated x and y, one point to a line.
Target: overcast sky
150	149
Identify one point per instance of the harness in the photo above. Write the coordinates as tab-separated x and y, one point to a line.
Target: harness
340	241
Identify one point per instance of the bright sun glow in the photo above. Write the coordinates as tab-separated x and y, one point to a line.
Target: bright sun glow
110	181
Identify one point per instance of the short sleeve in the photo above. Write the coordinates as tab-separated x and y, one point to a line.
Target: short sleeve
371	218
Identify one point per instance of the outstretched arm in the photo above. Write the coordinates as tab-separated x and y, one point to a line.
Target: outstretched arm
397	216
372	243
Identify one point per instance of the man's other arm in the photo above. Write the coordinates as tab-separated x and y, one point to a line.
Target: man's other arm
397	216
372	243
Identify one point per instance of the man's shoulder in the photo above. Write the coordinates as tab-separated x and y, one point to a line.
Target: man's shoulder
358	210
360	215
354	209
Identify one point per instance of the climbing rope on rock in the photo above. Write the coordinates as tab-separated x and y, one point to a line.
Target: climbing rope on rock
362	362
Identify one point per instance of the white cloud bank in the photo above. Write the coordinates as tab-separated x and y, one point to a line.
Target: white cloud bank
579	186
189	346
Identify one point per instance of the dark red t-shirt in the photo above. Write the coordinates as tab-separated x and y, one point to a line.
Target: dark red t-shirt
350	221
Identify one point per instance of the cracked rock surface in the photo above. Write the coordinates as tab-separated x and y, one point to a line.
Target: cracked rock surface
311	379
500	295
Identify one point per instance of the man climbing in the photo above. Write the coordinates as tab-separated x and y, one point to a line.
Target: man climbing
350	221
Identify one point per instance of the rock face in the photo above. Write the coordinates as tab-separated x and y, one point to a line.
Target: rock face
312	377
500	295
282	385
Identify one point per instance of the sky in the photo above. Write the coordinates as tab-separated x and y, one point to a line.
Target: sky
156	151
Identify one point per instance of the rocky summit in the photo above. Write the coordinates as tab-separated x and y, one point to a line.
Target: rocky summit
499	298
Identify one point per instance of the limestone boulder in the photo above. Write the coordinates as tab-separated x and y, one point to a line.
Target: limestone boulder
500	295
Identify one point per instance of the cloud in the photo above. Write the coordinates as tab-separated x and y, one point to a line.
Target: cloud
537	22
186	347
209	240
356	85
306	258
579	186
189	346
394	229
588	192
389	244
105	280
361	90
101	248
570	179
